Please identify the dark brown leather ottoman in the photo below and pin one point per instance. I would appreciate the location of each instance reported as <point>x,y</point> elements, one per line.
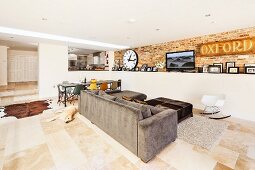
<point>184,110</point>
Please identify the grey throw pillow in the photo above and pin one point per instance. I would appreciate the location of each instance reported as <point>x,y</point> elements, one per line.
<point>105,95</point>
<point>146,112</point>
<point>95,92</point>
<point>156,110</point>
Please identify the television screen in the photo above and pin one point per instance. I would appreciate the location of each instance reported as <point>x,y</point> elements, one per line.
<point>180,60</point>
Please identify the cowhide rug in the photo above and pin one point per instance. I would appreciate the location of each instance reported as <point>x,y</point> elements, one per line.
<point>26,109</point>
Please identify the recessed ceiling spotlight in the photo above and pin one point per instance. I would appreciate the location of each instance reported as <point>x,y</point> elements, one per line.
<point>207,15</point>
<point>131,20</point>
<point>157,29</point>
<point>11,37</point>
<point>44,19</point>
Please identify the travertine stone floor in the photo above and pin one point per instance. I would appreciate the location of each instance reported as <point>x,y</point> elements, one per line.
<point>17,92</point>
<point>32,143</point>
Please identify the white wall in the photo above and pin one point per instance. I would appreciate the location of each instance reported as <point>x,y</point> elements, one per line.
<point>53,68</point>
<point>239,89</point>
<point>3,65</point>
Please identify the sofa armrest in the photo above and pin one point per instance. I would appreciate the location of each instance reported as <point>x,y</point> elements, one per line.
<point>155,132</point>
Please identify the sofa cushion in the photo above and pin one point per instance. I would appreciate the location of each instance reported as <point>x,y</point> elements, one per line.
<point>95,92</point>
<point>156,110</point>
<point>105,95</point>
<point>146,112</point>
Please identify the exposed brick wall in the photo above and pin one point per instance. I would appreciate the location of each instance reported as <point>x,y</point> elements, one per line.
<point>153,53</point>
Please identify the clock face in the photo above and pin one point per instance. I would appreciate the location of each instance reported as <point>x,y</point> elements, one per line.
<point>130,59</point>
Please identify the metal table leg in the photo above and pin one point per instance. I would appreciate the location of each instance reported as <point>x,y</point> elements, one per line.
<point>65,97</point>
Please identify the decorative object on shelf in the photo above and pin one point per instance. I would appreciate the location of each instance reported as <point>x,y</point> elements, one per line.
<point>160,65</point>
<point>219,64</point>
<point>144,67</point>
<point>149,69</point>
<point>214,69</point>
<point>124,68</point>
<point>137,69</point>
<point>233,70</point>
<point>249,70</point>
<point>154,69</point>
<point>133,69</point>
<point>205,69</point>
<point>115,68</point>
<point>120,68</point>
<point>130,59</point>
<point>229,64</point>
<point>106,60</point>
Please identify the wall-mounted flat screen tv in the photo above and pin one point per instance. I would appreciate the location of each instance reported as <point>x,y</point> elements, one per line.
<point>180,60</point>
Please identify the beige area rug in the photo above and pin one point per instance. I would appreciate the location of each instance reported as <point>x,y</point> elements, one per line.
<point>201,131</point>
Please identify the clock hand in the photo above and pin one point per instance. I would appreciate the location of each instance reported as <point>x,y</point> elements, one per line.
<point>132,60</point>
<point>130,57</point>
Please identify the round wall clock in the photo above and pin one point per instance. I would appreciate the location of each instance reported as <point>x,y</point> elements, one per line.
<point>130,59</point>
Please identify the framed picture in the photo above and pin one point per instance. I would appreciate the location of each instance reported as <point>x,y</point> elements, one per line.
<point>149,68</point>
<point>137,69</point>
<point>205,69</point>
<point>229,64</point>
<point>219,64</point>
<point>233,70</point>
<point>144,67</point>
<point>154,69</point>
<point>249,65</point>
<point>214,69</point>
<point>249,70</point>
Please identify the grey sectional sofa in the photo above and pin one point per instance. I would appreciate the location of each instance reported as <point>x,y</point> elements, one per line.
<point>144,130</point>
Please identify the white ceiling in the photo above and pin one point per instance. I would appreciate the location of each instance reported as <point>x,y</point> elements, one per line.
<point>15,45</point>
<point>79,51</point>
<point>108,20</point>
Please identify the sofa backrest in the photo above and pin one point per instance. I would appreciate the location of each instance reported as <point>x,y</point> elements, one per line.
<point>116,119</point>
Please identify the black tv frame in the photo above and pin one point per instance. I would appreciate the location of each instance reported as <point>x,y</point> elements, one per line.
<point>181,69</point>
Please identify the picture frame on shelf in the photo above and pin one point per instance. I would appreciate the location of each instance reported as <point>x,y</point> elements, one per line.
<point>249,70</point>
<point>221,66</point>
<point>233,70</point>
<point>229,64</point>
<point>200,69</point>
<point>205,69</point>
<point>214,69</point>
<point>144,67</point>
